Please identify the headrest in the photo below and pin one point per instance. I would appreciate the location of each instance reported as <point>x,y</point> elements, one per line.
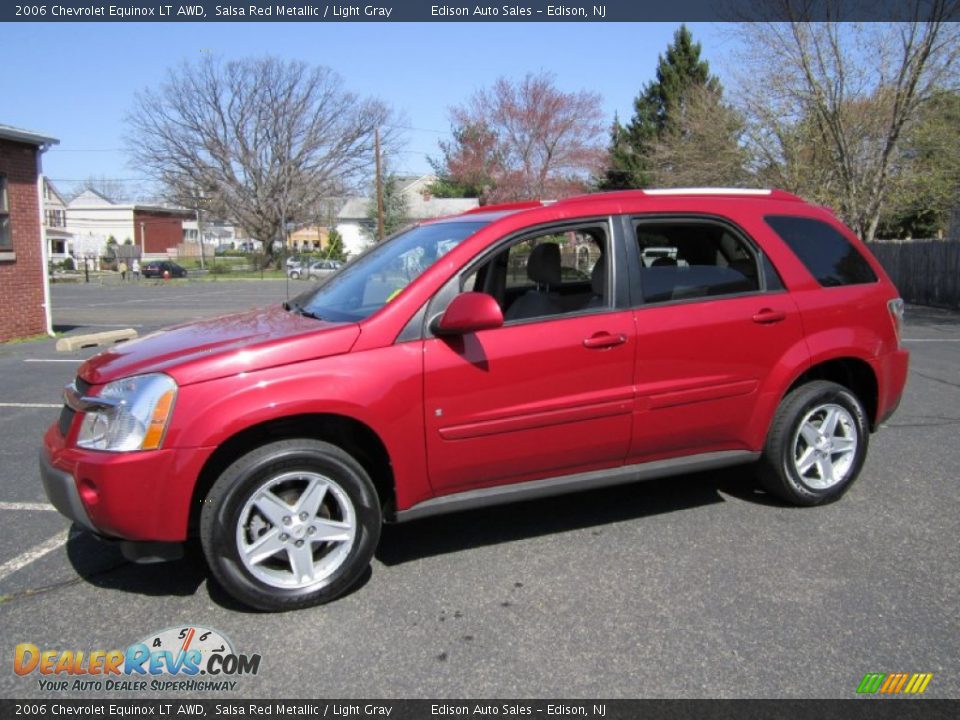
<point>543,266</point>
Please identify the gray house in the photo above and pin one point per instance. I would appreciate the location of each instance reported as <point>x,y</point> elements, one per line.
<point>354,224</point>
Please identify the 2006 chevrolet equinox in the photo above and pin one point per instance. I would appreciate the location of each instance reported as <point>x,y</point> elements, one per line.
<point>508,353</point>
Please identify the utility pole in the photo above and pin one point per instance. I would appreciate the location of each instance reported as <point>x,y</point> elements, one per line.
<point>376,141</point>
<point>200,236</point>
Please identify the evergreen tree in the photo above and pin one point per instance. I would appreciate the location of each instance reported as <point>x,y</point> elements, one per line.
<point>655,111</point>
<point>395,210</point>
<point>335,249</point>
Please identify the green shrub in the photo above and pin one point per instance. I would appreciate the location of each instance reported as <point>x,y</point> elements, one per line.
<point>220,269</point>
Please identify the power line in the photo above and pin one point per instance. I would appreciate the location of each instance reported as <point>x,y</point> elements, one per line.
<point>141,178</point>
<point>417,129</point>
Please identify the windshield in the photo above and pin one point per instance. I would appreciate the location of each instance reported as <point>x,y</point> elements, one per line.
<point>365,285</point>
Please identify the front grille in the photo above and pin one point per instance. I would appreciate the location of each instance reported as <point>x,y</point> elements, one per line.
<point>67,413</point>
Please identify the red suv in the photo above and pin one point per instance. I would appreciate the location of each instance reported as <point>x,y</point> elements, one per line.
<point>508,353</point>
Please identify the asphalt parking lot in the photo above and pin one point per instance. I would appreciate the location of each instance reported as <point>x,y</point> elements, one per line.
<point>697,586</point>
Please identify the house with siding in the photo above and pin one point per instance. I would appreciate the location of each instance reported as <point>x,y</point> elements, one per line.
<point>58,238</point>
<point>93,219</point>
<point>357,229</point>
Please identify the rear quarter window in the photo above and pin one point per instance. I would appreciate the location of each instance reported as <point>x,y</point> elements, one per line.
<point>827,254</point>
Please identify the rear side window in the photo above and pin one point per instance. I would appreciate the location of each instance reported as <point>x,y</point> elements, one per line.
<point>827,254</point>
<point>684,260</point>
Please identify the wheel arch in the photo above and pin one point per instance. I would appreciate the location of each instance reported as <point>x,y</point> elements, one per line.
<point>854,373</point>
<point>350,434</point>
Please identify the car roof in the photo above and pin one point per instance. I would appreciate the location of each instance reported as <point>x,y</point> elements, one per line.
<point>489,213</point>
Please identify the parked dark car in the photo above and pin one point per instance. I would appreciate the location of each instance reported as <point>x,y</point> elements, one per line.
<point>157,268</point>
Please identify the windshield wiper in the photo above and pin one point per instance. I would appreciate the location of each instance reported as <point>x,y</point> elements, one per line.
<point>300,310</point>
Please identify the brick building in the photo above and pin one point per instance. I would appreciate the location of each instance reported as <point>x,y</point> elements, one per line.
<point>24,292</point>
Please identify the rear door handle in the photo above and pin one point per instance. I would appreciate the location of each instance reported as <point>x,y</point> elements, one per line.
<point>766,316</point>
<point>602,340</point>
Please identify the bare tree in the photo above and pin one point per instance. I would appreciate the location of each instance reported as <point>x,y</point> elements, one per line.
<point>701,147</point>
<point>261,141</point>
<point>112,189</point>
<point>828,101</point>
<point>525,139</point>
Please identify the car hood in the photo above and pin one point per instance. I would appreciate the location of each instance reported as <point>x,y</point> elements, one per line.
<point>222,346</point>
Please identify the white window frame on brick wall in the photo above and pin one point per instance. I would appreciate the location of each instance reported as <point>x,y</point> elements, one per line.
<point>6,233</point>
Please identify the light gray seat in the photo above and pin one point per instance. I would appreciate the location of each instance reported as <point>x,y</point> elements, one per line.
<point>598,284</point>
<point>543,267</point>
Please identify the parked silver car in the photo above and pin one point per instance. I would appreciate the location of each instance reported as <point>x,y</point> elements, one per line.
<point>316,270</point>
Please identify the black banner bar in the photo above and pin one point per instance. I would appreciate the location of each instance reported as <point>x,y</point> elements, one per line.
<point>856,709</point>
<point>457,11</point>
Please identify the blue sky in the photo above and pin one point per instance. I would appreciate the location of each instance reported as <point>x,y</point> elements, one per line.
<point>76,81</point>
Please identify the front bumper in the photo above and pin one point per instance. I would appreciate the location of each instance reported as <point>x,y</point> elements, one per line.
<point>61,490</point>
<point>137,496</point>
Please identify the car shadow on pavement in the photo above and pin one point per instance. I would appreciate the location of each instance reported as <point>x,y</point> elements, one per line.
<point>101,564</point>
<point>444,534</point>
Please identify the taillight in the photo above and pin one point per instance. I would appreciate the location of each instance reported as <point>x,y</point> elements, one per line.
<point>896,314</point>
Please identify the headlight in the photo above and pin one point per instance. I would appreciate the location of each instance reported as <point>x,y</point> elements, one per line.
<point>139,410</point>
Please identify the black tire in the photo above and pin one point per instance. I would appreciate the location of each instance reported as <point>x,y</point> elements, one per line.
<point>778,468</point>
<point>294,275</point>
<point>229,496</point>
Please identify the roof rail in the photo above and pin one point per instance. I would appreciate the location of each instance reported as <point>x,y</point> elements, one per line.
<point>503,207</point>
<point>733,192</point>
<point>707,191</point>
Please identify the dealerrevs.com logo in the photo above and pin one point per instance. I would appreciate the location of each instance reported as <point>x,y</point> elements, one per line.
<point>188,659</point>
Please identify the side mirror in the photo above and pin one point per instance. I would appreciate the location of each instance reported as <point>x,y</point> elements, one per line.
<point>467,313</point>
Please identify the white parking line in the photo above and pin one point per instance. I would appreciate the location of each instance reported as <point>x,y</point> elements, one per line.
<point>34,553</point>
<point>27,506</point>
<point>931,339</point>
<point>30,405</point>
<point>190,297</point>
<point>69,360</point>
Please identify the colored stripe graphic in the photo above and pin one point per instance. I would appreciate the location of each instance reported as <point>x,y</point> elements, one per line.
<point>894,683</point>
<point>871,683</point>
<point>919,683</point>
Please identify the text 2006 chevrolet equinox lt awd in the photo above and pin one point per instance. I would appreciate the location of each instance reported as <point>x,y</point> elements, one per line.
<point>508,353</point>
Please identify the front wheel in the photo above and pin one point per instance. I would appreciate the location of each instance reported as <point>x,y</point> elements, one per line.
<point>291,524</point>
<point>817,444</point>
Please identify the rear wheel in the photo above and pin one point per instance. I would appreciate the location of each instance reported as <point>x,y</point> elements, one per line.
<point>294,275</point>
<point>291,524</point>
<point>817,444</point>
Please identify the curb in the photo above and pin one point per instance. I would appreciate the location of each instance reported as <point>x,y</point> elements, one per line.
<point>111,337</point>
